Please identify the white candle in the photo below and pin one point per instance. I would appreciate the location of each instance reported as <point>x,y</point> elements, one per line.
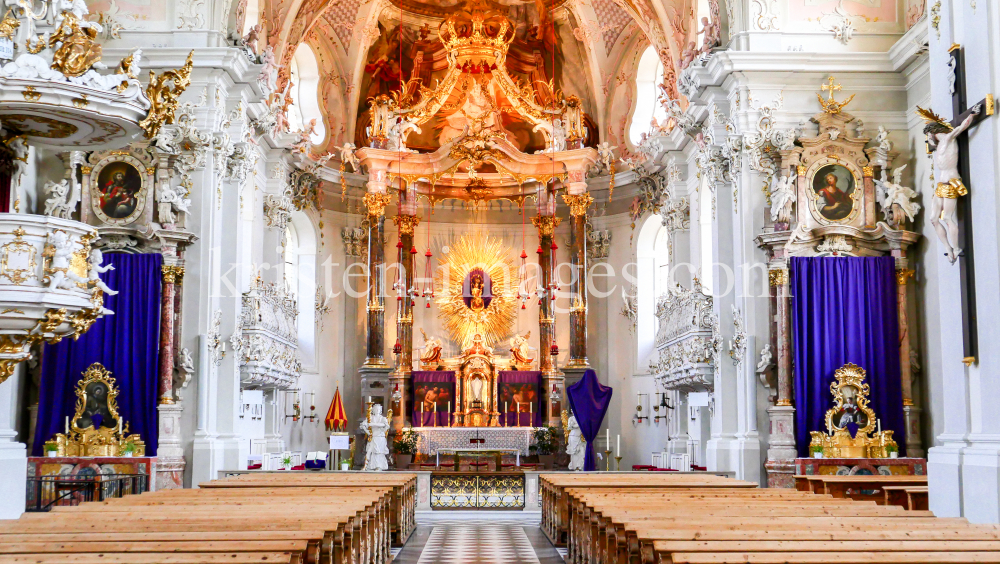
<point>608,437</point>
<point>119,424</point>
<point>879,423</point>
<point>618,448</point>
<point>449,413</point>
<point>67,424</point>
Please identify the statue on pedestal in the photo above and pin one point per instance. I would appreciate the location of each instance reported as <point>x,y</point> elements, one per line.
<point>576,446</point>
<point>376,427</point>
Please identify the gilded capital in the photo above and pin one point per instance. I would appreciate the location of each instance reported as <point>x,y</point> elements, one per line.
<point>546,224</point>
<point>801,170</point>
<point>578,204</point>
<point>172,274</point>
<point>406,223</point>
<point>375,203</point>
<point>868,171</point>
<point>778,277</point>
<point>903,274</point>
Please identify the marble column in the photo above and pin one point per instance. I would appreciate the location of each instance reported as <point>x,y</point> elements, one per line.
<point>578,204</point>
<point>400,377</point>
<point>375,202</point>
<point>911,413</point>
<point>167,353</point>
<point>781,451</point>
<point>551,376</point>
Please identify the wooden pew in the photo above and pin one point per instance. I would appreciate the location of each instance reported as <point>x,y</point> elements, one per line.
<point>838,486</point>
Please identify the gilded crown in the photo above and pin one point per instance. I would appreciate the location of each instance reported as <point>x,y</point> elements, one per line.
<point>476,34</point>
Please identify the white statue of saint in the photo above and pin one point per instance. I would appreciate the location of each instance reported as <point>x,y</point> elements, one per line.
<point>376,427</point>
<point>894,194</point>
<point>942,140</point>
<point>782,198</point>
<point>576,445</point>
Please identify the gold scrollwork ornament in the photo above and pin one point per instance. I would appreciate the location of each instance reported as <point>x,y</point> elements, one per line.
<point>164,94</point>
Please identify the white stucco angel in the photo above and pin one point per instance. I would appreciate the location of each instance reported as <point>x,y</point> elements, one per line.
<point>782,199</point>
<point>57,199</point>
<point>269,72</point>
<point>60,251</point>
<point>97,267</point>
<point>576,446</point>
<point>398,134</point>
<point>897,200</point>
<point>942,140</point>
<point>376,427</point>
<point>520,350</point>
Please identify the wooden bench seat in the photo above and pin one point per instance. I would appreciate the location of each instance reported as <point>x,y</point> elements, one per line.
<point>150,558</point>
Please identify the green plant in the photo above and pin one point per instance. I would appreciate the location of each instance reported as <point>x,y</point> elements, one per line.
<point>405,442</point>
<point>892,448</point>
<point>129,448</point>
<point>546,440</point>
<point>50,448</point>
<point>286,460</point>
<point>816,448</point>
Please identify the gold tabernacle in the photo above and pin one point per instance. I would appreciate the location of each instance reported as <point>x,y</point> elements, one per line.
<point>850,395</point>
<point>96,429</point>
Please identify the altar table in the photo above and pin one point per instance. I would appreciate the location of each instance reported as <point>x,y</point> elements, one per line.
<point>854,466</point>
<point>498,452</point>
<point>431,439</point>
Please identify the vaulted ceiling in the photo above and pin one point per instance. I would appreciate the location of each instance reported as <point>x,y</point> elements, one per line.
<point>592,40</point>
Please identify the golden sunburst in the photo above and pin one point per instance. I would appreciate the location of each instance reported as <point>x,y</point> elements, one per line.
<point>475,255</point>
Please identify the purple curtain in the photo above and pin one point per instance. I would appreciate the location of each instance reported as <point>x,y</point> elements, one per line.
<point>444,380</point>
<point>512,381</point>
<point>126,343</point>
<point>589,401</point>
<point>844,310</point>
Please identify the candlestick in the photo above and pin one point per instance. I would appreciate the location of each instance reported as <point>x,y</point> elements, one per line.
<point>607,460</point>
<point>618,463</point>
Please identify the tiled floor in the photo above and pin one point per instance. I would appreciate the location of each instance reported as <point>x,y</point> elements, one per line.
<point>471,537</point>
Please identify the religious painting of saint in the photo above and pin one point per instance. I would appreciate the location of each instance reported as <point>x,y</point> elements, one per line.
<point>119,188</point>
<point>834,186</point>
<point>433,396</point>
<point>517,397</point>
<point>477,290</point>
<point>849,411</point>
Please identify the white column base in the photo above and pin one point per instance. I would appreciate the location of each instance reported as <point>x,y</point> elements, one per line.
<point>212,455</point>
<point>981,481</point>
<point>739,455</point>
<point>14,469</point>
<point>944,478</point>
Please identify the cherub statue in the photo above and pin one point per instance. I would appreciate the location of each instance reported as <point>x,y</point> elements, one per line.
<point>520,350</point>
<point>398,133</point>
<point>96,268</point>
<point>269,73</point>
<point>129,66</point>
<point>557,138</point>
<point>347,156</point>
<point>688,55</point>
<point>250,39</point>
<point>782,199</point>
<point>576,446</point>
<point>711,39</point>
<point>942,140</point>
<point>883,139</point>
<point>375,427</point>
<point>895,198</point>
<point>60,251</point>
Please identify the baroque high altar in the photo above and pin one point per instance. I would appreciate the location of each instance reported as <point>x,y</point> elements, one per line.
<point>469,136</point>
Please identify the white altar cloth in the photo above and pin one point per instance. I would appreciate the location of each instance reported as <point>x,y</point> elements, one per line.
<point>431,439</point>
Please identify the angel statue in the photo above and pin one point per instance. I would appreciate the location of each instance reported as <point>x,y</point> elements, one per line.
<point>576,446</point>
<point>431,355</point>
<point>782,198</point>
<point>896,199</point>
<point>520,350</point>
<point>59,249</point>
<point>942,140</point>
<point>376,427</point>
<point>97,267</point>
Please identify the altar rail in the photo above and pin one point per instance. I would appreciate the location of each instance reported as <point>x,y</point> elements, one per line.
<point>44,492</point>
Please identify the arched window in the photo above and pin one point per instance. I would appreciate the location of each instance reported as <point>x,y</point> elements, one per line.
<point>652,281</point>
<point>300,276</point>
<point>705,217</point>
<point>648,76</point>
<point>304,73</point>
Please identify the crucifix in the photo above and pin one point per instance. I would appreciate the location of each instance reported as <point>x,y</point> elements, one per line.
<point>948,142</point>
